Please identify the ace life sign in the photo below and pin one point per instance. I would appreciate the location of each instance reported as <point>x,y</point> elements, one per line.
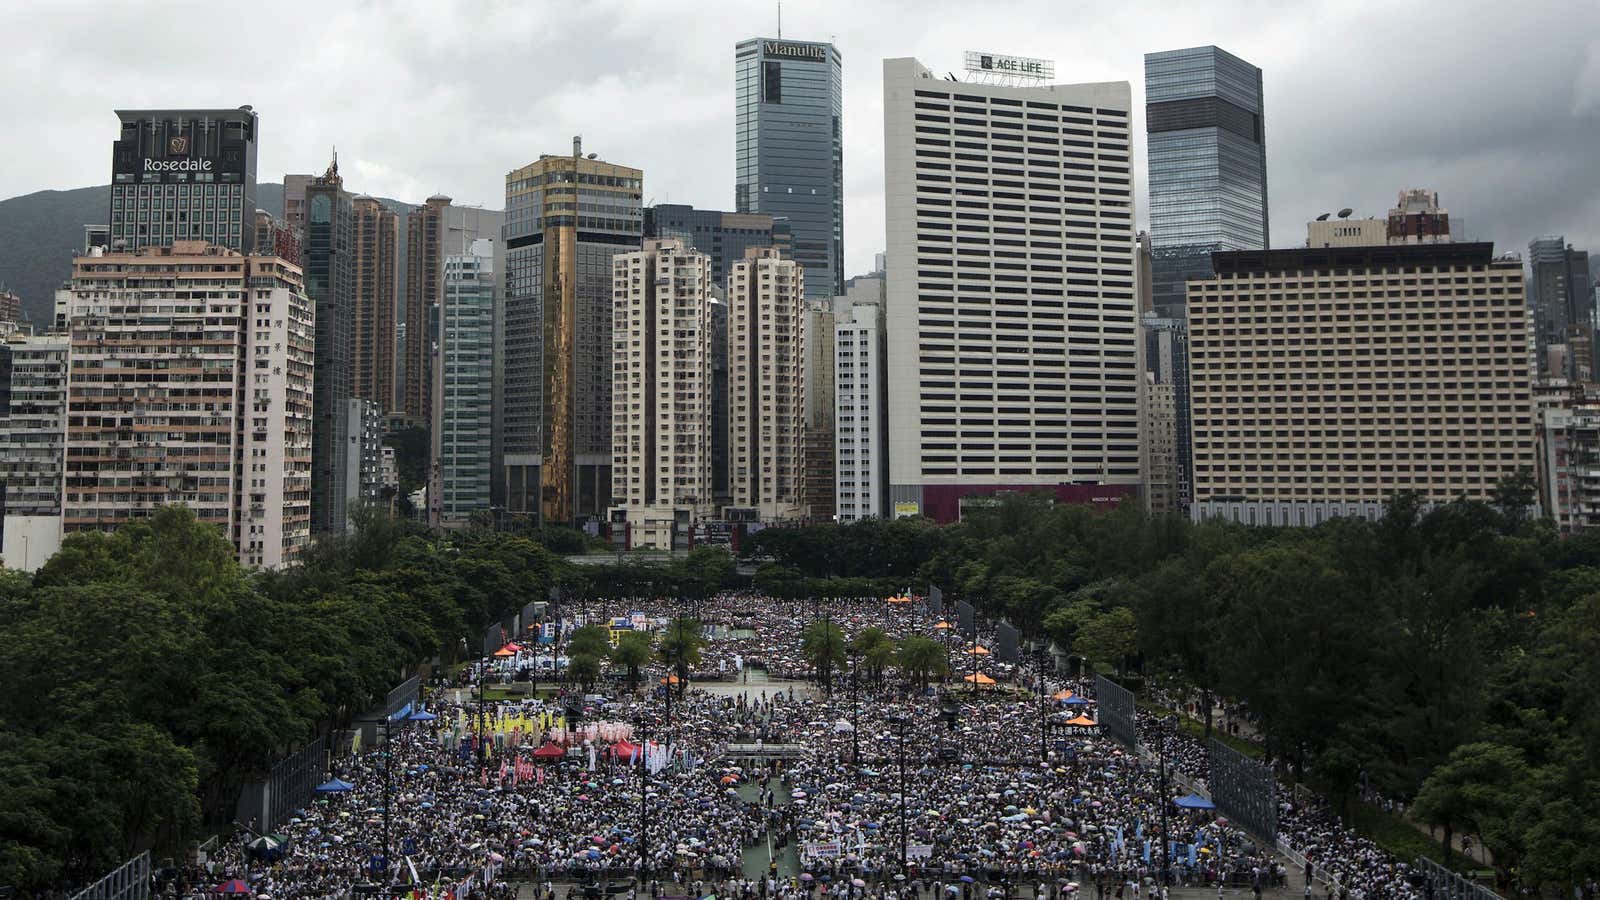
<point>983,62</point>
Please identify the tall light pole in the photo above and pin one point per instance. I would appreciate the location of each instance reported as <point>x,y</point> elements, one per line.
<point>901,723</point>
<point>855,709</point>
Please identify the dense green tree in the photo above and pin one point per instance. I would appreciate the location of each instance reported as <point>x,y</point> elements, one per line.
<point>822,645</point>
<point>679,648</point>
<point>875,649</point>
<point>922,659</point>
<point>632,652</point>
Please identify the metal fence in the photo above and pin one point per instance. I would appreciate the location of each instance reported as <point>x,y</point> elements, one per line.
<point>1244,790</point>
<point>1443,884</point>
<point>129,881</point>
<point>402,695</point>
<point>1116,711</point>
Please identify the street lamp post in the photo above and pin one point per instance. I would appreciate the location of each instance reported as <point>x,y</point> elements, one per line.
<point>855,709</point>
<point>1044,708</point>
<point>644,815</point>
<point>901,723</point>
<point>388,763</point>
<point>482,730</point>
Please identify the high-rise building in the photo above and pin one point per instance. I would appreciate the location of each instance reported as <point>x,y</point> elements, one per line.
<point>1417,218</point>
<point>1159,447</point>
<point>33,393</point>
<point>1561,299</point>
<point>377,294</point>
<point>330,282</point>
<point>463,404</point>
<point>1325,380</point>
<point>789,149</point>
<point>11,314</point>
<point>426,248</point>
<point>817,469</point>
<point>1569,466</point>
<point>1208,165</point>
<point>721,492</point>
<point>190,383</point>
<point>276,237</point>
<point>364,460</point>
<point>661,392</point>
<point>566,217</point>
<point>723,236</point>
<point>184,174</point>
<point>1013,349</point>
<point>860,403</point>
<point>1166,357</point>
<point>766,386</point>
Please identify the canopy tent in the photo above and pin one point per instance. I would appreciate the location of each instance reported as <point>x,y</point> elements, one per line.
<point>942,625</point>
<point>900,599</point>
<point>670,679</point>
<point>625,750</point>
<point>233,886</point>
<point>550,751</point>
<point>979,678</point>
<point>1061,695</point>
<point>1194,801</point>
<point>421,715</point>
<point>335,786</point>
<point>978,650</point>
<point>505,652</point>
<point>1080,720</point>
<point>1075,701</point>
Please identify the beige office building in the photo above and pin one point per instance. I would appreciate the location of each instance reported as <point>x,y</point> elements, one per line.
<point>190,383</point>
<point>766,386</point>
<point>1326,380</point>
<point>1013,346</point>
<point>660,392</point>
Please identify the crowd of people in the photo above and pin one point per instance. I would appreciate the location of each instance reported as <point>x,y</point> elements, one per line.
<point>948,791</point>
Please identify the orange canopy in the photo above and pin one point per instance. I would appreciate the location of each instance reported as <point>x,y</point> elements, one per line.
<point>899,599</point>
<point>1081,720</point>
<point>1061,695</point>
<point>979,650</point>
<point>979,678</point>
<point>942,625</point>
<point>505,651</point>
<point>670,679</point>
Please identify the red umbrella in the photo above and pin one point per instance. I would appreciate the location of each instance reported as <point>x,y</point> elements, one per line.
<point>233,886</point>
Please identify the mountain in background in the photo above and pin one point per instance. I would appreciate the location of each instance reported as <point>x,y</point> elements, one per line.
<point>40,233</point>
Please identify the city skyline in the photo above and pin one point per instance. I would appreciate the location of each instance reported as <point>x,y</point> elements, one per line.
<point>1504,142</point>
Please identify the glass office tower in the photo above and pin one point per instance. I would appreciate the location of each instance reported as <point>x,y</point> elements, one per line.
<point>1208,165</point>
<point>790,151</point>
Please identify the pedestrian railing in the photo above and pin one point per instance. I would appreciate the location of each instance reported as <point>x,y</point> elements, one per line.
<point>129,881</point>
<point>1446,884</point>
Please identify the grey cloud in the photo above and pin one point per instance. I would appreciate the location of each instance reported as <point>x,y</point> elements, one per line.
<point>1497,106</point>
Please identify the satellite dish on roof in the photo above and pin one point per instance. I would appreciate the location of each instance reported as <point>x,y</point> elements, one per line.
<point>1345,213</point>
<point>1324,217</point>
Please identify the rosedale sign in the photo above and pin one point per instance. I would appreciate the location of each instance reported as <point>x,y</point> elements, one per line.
<point>177,165</point>
<point>795,51</point>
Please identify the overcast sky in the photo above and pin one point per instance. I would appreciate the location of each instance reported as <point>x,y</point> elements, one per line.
<point>1495,105</point>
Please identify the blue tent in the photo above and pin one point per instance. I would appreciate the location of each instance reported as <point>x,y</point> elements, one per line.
<point>335,786</point>
<point>1194,801</point>
<point>1075,700</point>
<point>421,715</point>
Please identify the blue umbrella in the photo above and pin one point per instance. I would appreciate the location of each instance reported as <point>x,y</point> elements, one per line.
<point>335,786</point>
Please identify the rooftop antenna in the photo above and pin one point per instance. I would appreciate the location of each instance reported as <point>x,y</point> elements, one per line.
<point>780,20</point>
